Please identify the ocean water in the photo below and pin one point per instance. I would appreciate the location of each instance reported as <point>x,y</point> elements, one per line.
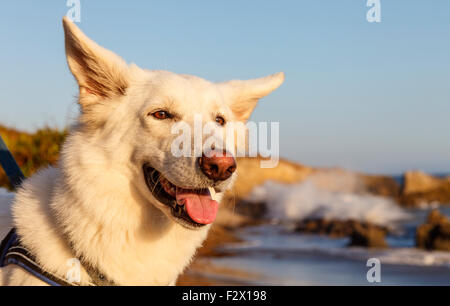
<point>278,256</point>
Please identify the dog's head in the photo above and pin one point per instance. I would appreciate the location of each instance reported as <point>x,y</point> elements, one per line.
<point>133,112</point>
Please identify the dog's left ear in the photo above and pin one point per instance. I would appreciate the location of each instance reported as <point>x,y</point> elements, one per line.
<point>100,73</point>
<point>244,95</point>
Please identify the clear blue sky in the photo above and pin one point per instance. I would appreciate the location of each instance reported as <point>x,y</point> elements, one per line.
<point>366,96</point>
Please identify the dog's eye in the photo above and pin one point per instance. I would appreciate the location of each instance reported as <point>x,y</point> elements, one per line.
<point>220,120</point>
<point>161,115</point>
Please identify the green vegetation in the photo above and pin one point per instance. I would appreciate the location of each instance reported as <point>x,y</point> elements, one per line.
<point>32,151</point>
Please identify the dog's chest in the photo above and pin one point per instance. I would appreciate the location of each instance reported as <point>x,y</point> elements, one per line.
<point>157,262</point>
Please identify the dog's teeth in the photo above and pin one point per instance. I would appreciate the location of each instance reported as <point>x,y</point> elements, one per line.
<point>213,193</point>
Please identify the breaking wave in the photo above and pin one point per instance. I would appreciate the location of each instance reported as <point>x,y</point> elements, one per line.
<point>330,195</point>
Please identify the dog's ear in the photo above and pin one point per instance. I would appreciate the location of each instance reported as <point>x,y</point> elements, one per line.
<point>100,73</point>
<point>243,95</point>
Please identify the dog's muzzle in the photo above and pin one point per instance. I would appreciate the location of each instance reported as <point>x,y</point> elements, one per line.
<point>192,208</point>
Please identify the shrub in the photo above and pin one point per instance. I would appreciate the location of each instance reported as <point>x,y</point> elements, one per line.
<point>32,151</point>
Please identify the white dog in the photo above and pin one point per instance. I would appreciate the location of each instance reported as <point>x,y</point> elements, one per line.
<point>119,201</point>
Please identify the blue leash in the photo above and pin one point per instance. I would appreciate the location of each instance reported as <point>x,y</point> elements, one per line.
<point>10,166</point>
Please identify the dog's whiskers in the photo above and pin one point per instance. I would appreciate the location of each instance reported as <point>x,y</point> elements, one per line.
<point>158,181</point>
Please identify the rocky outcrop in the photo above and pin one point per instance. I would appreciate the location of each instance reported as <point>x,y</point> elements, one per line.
<point>368,235</point>
<point>420,188</point>
<point>361,233</point>
<point>435,233</point>
<point>332,228</point>
<point>250,175</point>
<point>254,210</point>
<point>381,185</point>
<point>417,181</point>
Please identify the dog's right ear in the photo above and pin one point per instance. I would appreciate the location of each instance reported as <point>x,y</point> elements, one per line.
<point>100,73</point>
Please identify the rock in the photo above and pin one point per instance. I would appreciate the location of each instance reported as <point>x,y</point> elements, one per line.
<point>332,228</point>
<point>361,233</point>
<point>254,210</point>
<point>435,233</point>
<point>420,188</point>
<point>417,181</point>
<point>381,185</point>
<point>368,235</point>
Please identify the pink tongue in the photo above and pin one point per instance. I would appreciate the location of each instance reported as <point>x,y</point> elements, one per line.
<point>200,207</point>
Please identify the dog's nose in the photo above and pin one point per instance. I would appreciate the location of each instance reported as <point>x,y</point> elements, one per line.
<point>217,165</point>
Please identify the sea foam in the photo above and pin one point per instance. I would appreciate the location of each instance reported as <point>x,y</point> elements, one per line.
<point>330,195</point>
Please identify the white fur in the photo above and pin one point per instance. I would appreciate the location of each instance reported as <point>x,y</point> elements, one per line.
<point>95,203</point>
